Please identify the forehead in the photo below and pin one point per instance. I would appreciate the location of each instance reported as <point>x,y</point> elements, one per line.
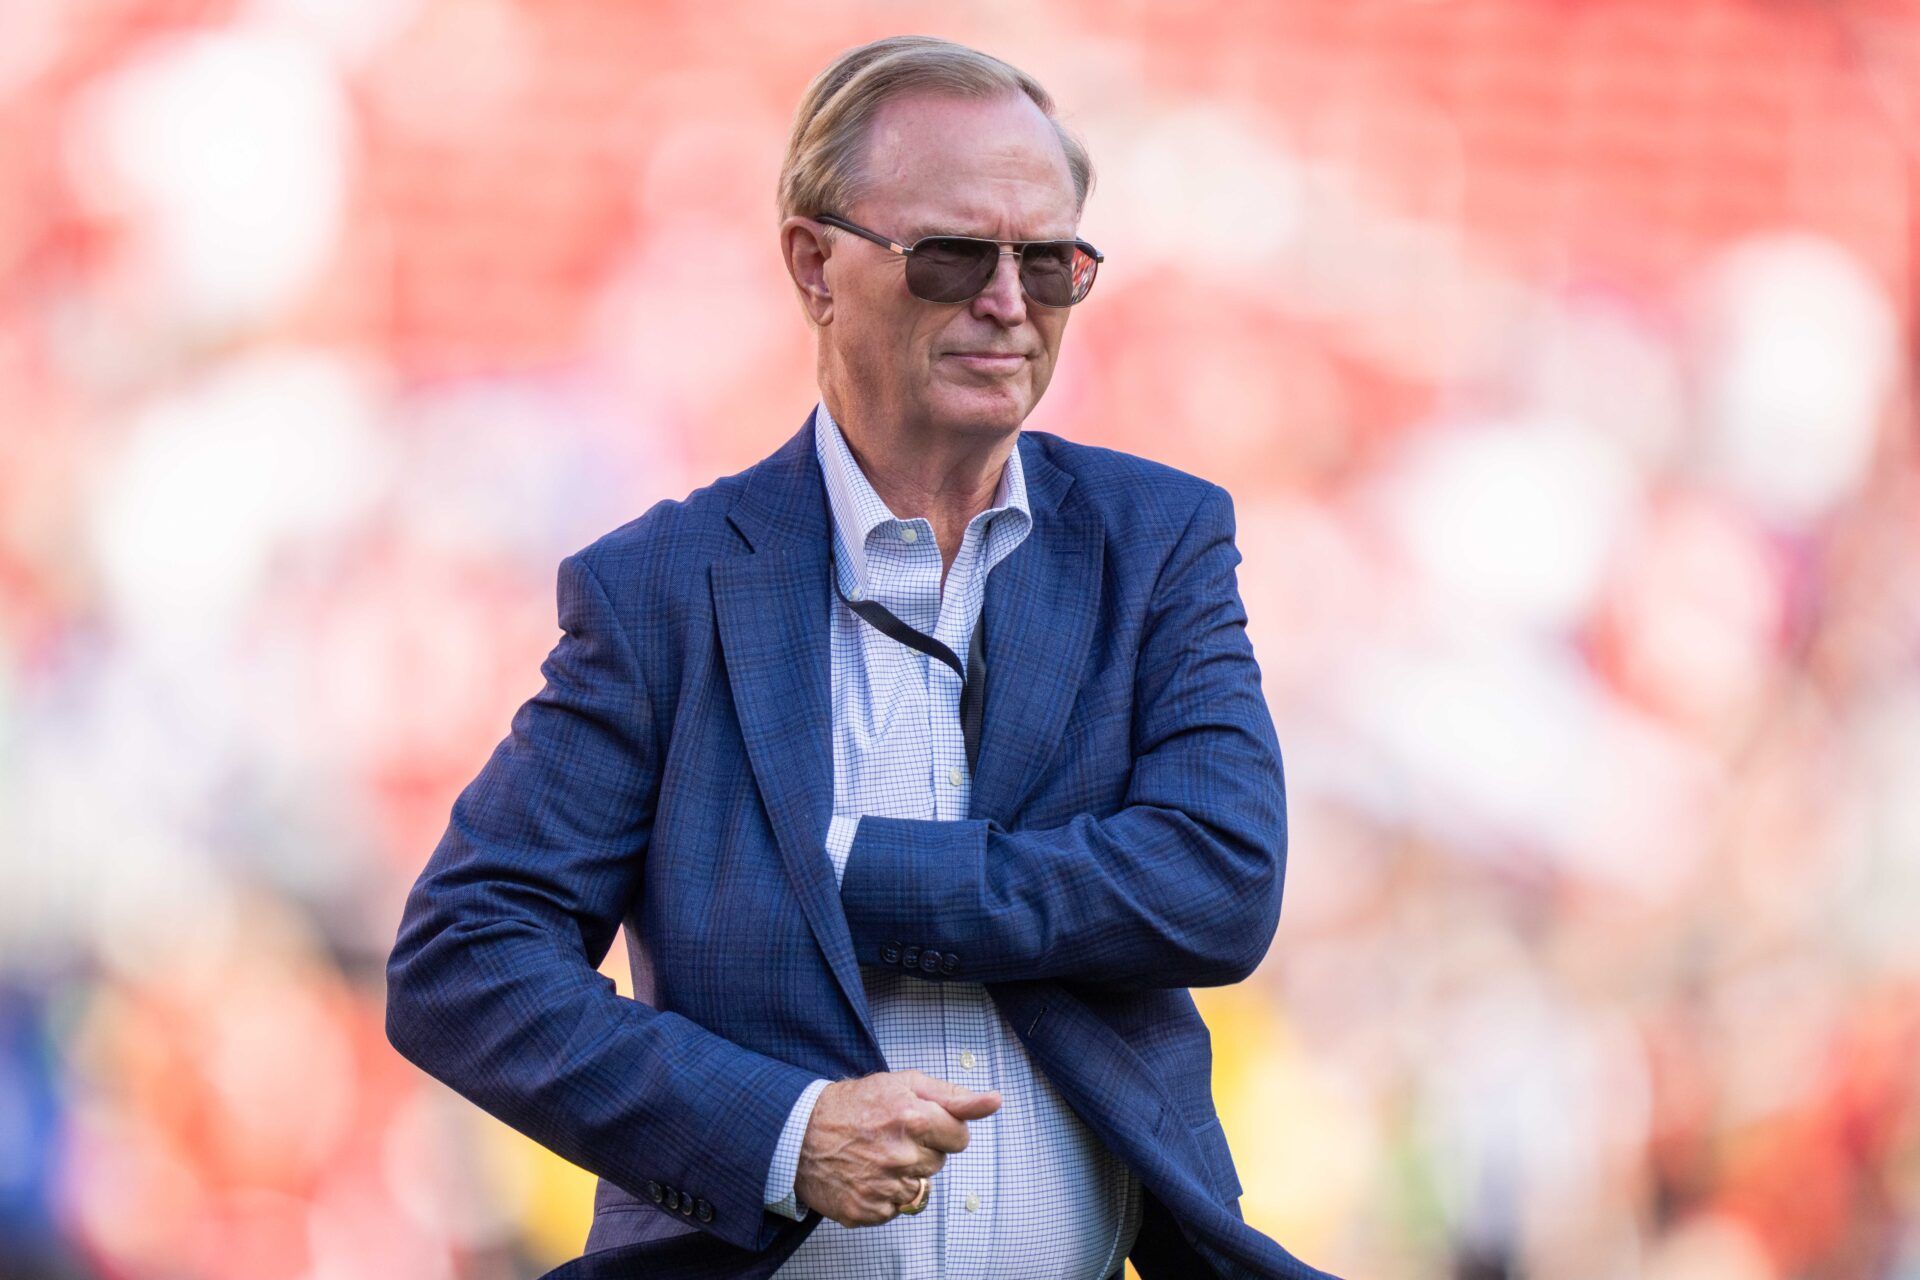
<point>938,163</point>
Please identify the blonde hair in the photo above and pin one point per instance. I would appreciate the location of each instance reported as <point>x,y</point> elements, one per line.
<point>823,173</point>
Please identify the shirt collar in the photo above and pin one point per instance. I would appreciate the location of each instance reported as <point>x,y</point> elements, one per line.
<point>858,509</point>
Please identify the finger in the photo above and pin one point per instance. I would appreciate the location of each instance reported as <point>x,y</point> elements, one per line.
<point>911,1194</point>
<point>926,1162</point>
<point>944,1131</point>
<point>933,1088</point>
<point>898,1196</point>
<point>972,1106</point>
<point>913,1077</point>
<point>959,1100</point>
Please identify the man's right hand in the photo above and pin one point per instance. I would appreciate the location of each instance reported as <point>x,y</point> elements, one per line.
<point>869,1139</point>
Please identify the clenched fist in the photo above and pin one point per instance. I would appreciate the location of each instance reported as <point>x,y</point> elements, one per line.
<point>869,1139</point>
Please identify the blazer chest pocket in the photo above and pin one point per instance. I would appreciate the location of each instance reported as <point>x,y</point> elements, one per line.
<point>1213,1142</point>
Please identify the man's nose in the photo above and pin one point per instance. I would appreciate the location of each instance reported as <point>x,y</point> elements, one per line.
<point>1002,299</point>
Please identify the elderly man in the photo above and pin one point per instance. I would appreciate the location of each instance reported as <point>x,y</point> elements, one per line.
<point>925,763</point>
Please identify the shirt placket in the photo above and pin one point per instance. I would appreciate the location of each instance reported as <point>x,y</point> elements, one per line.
<point>918,559</point>
<point>899,577</point>
<point>967,1234</point>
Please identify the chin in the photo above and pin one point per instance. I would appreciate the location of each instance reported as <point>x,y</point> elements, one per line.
<point>1003,407</point>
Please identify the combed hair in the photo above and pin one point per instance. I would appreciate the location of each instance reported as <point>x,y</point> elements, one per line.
<point>822,172</point>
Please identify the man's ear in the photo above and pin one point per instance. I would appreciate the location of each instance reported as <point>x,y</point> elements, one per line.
<point>805,249</point>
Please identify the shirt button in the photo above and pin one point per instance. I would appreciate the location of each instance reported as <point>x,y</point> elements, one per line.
<point>954,775</point>
<point>909,534</point>
<point>855,594</point>
<point>973,1202</point>
<point>966,1058</point>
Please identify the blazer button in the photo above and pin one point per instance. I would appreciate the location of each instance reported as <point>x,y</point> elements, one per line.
<point>686,1204</point>
<point>949,962</point>
<point>891,953</point>
<point>911,957</point>
<point>657,1191</point>
<point>929,960</point>
<point>703,1211</point>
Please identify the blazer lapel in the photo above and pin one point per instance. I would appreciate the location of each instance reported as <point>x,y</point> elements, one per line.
<point>1040,606</point>
<point>773,612</point>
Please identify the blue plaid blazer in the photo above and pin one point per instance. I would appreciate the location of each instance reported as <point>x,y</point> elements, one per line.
<point>674,775</point>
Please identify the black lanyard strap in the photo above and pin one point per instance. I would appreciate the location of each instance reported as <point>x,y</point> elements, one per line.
<point>973,677</point>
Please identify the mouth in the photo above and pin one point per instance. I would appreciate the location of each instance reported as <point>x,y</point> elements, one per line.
<point>988,361</point>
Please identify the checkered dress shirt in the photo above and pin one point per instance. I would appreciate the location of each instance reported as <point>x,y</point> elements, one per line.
<point>1036,1195</point>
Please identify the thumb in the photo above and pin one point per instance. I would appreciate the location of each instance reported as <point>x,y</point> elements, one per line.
<point>963,1103</point>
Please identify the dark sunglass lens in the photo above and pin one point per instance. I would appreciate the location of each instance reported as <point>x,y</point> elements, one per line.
<point>1047,271</point>
<point>1059,273</point>
<point>941,269</point>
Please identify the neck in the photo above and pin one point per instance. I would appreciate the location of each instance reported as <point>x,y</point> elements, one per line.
<point>945,476</point>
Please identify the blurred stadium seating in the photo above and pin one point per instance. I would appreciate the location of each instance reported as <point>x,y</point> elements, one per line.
<point>1559,355</point>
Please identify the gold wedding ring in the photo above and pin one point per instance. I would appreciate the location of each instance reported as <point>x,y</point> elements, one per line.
<point>920,1198</point>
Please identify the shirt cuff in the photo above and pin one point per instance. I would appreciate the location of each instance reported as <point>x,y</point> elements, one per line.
<point>779,1196</point>
<point>840,834</point>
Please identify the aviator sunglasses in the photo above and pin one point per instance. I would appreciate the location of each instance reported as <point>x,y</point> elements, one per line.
<point>1053,273</point>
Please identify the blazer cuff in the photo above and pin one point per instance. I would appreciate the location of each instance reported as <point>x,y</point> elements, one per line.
<point>780,1195</point>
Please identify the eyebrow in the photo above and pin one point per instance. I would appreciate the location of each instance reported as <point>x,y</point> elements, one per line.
<point>926,229</point>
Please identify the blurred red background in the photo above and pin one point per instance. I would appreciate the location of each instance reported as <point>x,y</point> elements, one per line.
<point>1559,357</point>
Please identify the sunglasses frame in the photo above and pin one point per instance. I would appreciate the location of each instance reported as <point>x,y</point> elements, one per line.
<point>1019,250</point>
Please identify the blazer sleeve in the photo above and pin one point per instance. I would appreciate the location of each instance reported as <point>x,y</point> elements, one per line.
<point>493,984</point>
<point>1180,887</point>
